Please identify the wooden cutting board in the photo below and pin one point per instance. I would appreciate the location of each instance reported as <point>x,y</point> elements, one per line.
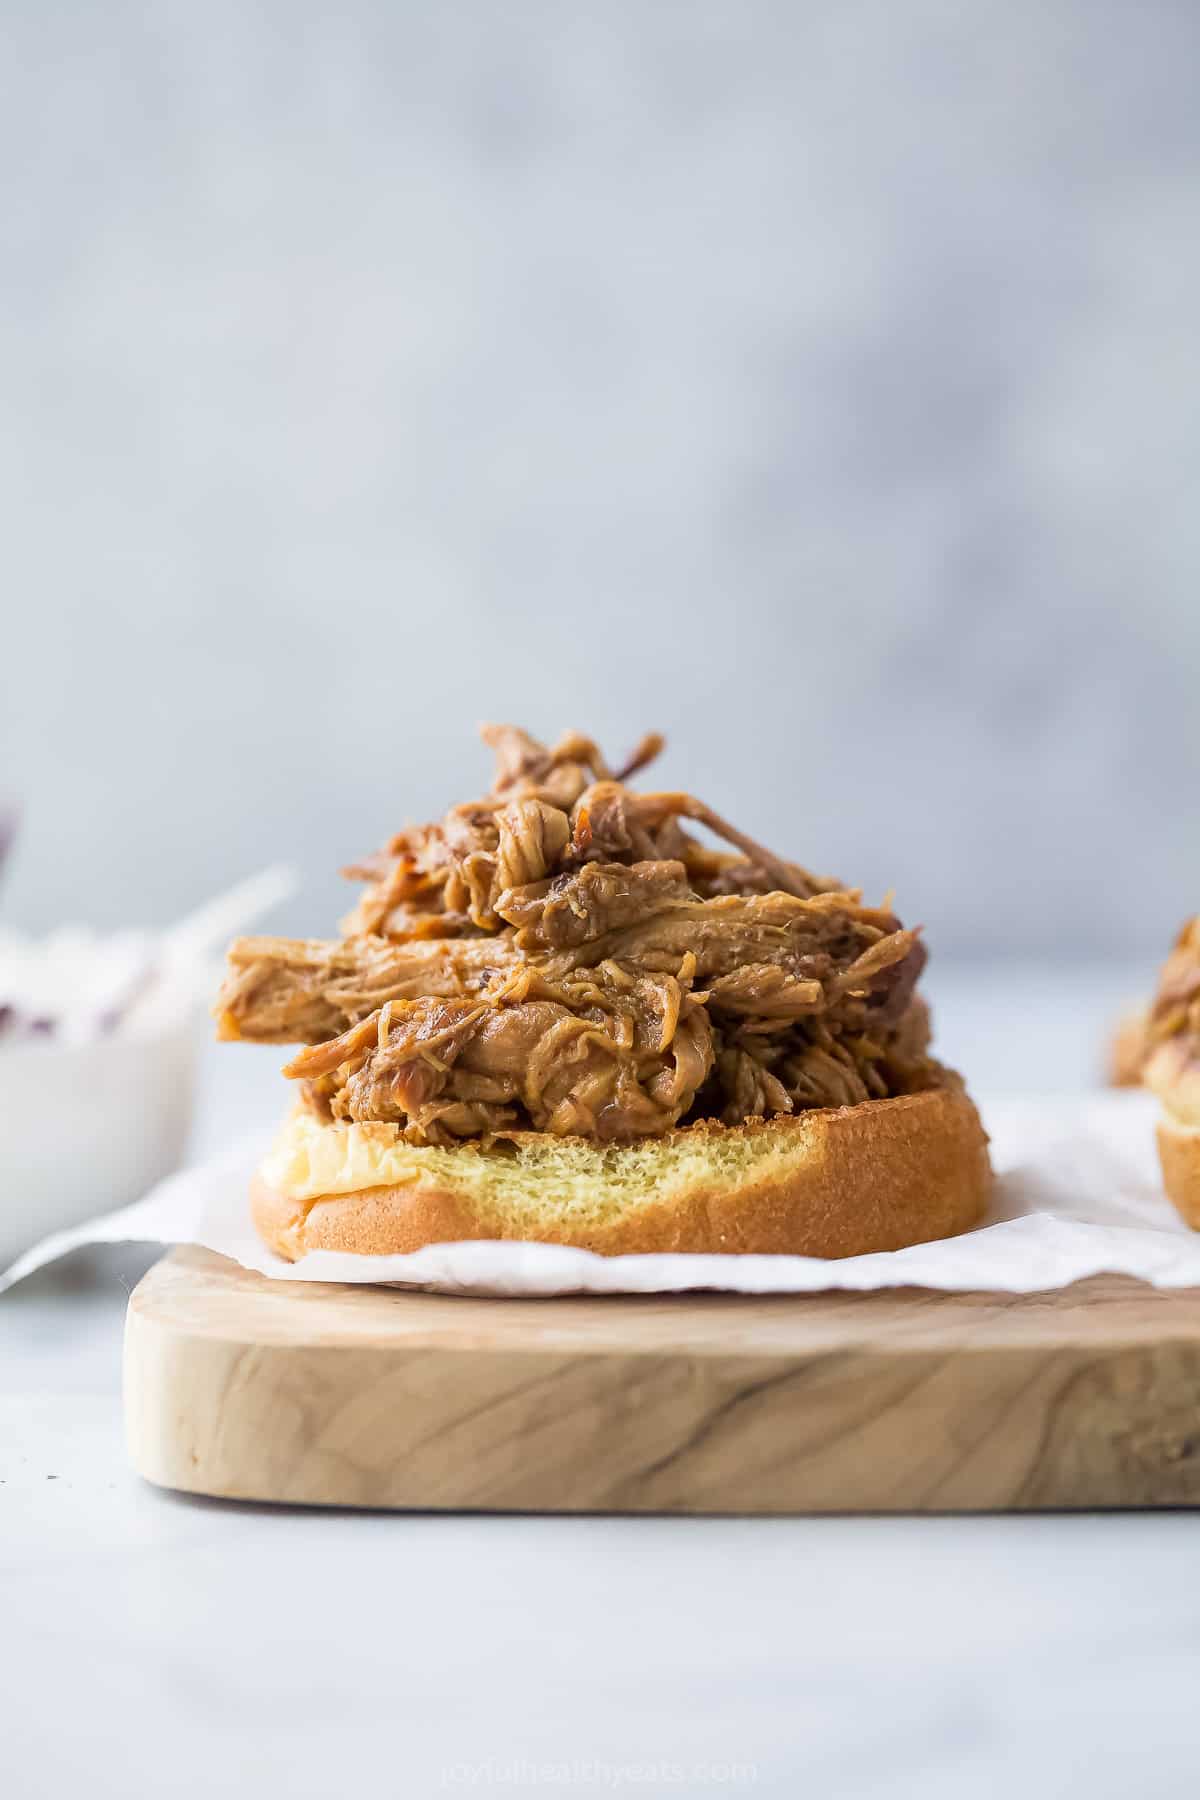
<point>906,1401</point>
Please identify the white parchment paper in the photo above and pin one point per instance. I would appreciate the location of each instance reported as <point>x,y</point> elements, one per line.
<point>1078,1193</point>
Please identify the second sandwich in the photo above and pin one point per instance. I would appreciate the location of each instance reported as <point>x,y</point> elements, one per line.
<point>556,1014</point>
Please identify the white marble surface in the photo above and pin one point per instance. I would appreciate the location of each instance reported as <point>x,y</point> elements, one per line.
<point>154,1644</point>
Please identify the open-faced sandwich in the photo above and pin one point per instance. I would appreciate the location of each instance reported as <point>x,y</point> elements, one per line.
<point>556,1014</point>
<point>1171,1069</point>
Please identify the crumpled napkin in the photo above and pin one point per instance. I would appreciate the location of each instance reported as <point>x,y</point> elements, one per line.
<point>1078,1193</point>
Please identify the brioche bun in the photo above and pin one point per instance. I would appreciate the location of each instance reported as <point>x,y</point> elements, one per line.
<point>1174,1075</point>
<point>832,1183</point>
<point>1179,1154</point>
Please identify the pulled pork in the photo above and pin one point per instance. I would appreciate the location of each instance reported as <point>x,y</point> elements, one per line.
<point>565,956</point>
<point>1174,1016</point>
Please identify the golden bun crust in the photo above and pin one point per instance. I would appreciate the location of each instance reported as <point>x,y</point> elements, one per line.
<point>1173,1073</point>
<point>846,1182</point>
<point>1179,1154</point>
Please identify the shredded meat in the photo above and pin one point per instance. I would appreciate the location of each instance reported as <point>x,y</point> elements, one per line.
<point>564,955</point>
<point>301,991</point>
<point>602,1056</point>
<point>551,811</point>
<point>1175,1013</point>
<point>579,907</point>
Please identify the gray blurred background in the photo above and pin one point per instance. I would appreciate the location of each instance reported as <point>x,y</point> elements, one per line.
<point>817,383</point>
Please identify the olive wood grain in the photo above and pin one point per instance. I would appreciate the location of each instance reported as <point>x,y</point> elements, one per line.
<point>907,1401</point>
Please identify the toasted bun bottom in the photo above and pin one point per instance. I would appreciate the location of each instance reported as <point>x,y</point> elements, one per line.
<point>1179,1154</point>
<point>1174,1075</point>
<point>845,1182</point>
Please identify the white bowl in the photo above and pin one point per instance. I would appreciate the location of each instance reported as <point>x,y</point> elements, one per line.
<point>85,1128</point>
